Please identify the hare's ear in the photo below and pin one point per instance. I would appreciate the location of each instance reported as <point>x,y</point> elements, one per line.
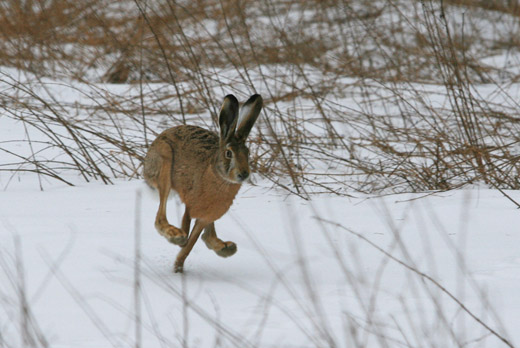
<point>248,115</point>
<point>228,117</point>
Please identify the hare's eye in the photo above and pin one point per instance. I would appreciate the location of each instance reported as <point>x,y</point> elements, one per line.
<point>229,154</point>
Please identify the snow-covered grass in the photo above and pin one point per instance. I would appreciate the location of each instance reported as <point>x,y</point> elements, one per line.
<point>360,96</point>
<point>298,278</point>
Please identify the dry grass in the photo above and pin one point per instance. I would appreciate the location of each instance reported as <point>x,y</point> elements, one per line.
<point>362,96</point>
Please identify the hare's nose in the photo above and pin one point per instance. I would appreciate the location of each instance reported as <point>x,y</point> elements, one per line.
<point>243,175</point>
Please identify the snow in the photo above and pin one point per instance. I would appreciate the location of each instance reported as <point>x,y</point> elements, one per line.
<point>285,287</point>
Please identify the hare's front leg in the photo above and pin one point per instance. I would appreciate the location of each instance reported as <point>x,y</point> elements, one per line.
<point>186,220</point>
<point>224,249</point>
<point>172,233</point>
<point>192,239</point>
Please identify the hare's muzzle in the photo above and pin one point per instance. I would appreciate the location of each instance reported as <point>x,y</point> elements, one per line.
<point>243,175</point>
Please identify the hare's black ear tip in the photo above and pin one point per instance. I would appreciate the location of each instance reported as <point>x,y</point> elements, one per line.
<point>231,98</point>
<point>255,99</point>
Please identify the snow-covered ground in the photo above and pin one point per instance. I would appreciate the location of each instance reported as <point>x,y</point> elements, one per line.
<point>296,280</point>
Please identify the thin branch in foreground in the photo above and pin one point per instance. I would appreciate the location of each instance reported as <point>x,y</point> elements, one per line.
<point>423,276</point>
<point>137,270</point>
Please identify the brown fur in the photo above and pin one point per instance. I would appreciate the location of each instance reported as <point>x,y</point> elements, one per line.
<point>194,162</point>
<point>207,195</point>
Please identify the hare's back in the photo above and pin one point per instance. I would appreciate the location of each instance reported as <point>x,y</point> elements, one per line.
<point>191,143</point>
<point>196,138</point>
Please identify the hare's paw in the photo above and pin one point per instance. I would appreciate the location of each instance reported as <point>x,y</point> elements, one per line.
<point>174,235</point>
<point>227,250</point>
<point>179,240</point>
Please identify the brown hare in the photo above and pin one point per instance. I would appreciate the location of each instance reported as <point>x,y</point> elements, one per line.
<point>206,170</point>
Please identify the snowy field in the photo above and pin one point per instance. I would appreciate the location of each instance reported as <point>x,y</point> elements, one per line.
<point>296,281</point>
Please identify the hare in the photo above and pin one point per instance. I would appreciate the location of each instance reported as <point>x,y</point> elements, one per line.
<point>206,170</point>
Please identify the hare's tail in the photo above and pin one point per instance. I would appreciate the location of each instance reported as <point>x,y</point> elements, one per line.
<point>152,163</point>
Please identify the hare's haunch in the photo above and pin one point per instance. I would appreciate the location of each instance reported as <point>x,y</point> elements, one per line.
<point>206,170</point>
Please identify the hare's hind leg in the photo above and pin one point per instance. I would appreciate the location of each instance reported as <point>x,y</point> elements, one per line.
<point>172,233</point>
<point>192,239</point>
<point>224,249</point>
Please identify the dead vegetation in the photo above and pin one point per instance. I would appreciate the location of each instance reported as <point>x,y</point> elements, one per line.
<point>381,96</point>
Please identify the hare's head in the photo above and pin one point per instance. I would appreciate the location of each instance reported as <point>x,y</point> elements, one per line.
<point>233,157</point>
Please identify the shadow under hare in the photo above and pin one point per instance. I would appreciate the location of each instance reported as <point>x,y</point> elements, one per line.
<point>206,170</point>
